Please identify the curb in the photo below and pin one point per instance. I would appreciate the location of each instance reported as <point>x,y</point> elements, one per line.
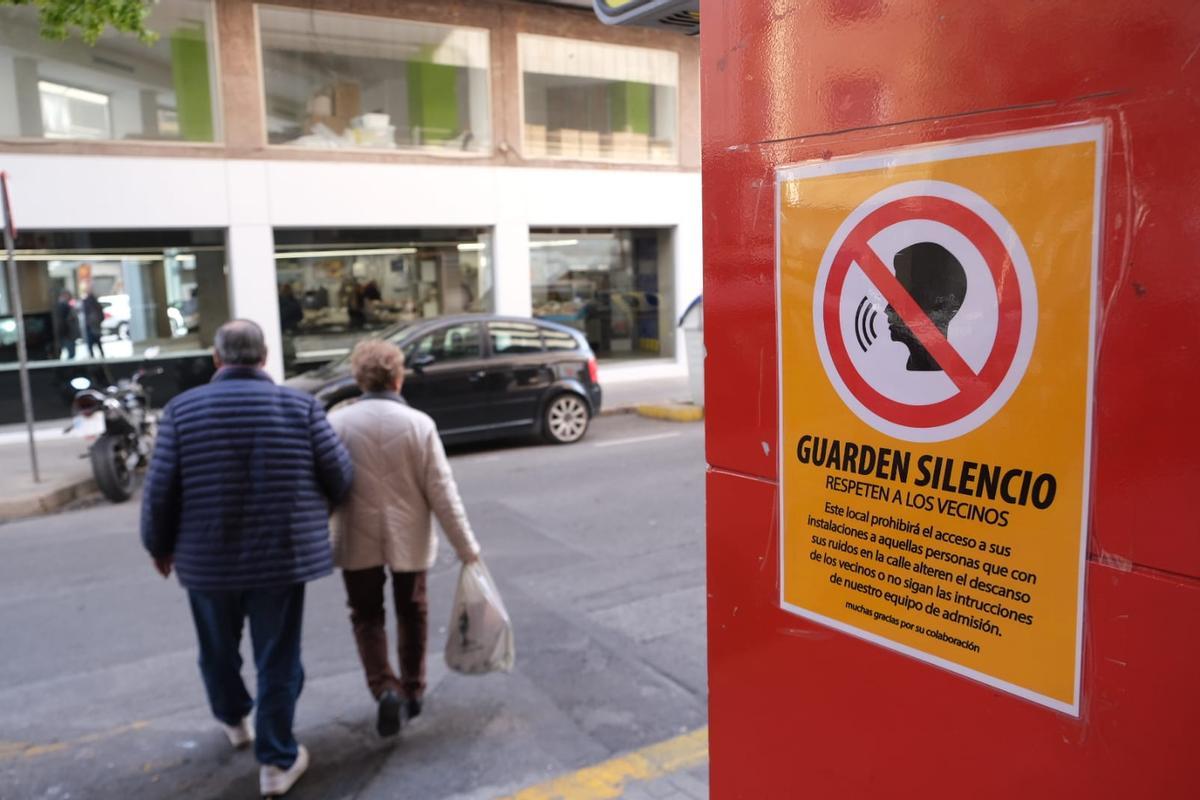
<point>616,410</point>
<point>47,502</point>
<point>672,412</point>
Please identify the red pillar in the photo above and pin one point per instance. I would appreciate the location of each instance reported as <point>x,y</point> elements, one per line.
<point>802,709</point>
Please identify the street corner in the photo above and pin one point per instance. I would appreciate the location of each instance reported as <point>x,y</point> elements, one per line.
<point>675,768</point>
<point>47,498</point>
<point>64,470</point>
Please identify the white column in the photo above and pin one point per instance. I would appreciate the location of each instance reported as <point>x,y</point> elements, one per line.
<point>510,254</point>
<point>252,286</point>
<point>253,292</point>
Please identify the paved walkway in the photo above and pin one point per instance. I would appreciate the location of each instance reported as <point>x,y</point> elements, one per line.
<point>65,476</point>
<point>624,396</point>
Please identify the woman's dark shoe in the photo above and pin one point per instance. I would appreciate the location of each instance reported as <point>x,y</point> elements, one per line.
<point>387,723</point>
<point>414,708</point>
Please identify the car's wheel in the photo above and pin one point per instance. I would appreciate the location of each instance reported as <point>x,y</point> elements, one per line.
<point>566,419</point>
<point>122,330</point>
<point>112,472</point>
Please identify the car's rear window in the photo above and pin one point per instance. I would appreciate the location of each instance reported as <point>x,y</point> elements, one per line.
<point>511,338</point>
<point>559,340</point>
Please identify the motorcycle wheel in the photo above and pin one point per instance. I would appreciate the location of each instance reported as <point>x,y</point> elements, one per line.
<point>113,477</point>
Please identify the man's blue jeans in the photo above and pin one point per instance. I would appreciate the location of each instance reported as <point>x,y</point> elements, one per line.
<point>276,617</point>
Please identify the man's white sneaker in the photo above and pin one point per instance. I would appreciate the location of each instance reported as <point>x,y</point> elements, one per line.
<point>240,735</point>
<point>274,782</point>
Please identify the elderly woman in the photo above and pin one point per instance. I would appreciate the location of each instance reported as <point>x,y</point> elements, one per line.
<point>401,478</point>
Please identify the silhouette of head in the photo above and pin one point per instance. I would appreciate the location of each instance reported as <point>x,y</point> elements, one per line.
<point>938,283</point>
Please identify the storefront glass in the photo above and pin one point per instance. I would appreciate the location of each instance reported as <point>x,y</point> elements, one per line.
<point>120,88</point>
<point>113,295</point>
<point>336,286</point>
<point>337,81</point>
<point>617,286</point>
<point>596,101</point>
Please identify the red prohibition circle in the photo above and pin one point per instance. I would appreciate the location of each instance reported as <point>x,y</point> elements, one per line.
<point>973,388</point>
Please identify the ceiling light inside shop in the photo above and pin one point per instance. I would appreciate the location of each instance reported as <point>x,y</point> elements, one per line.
<point>71,93</point>
<point>465,246</point>
<point>375,251</point>
<point>554,243</point>
<point>74,257</point>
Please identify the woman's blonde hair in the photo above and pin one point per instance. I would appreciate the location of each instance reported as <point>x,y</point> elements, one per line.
<point>377,365</point>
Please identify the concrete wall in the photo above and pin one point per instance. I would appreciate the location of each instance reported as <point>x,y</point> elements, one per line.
<point>250,198</point>
<point>242,185</point>
<point>242,126</point>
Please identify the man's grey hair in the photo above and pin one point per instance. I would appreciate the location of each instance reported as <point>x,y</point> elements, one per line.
<point>240,343</point>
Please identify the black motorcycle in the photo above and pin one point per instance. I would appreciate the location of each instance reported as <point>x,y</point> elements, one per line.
<point>120,419</point>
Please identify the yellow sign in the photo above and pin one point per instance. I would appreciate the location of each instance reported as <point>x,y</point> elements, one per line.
<point>936,358</point>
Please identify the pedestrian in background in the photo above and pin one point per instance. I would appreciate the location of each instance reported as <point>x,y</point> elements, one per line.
<point>93,324</point>
<point>401,477</point>
<point>66,324</point>
<point>291,313</point>
<point>237,499</point>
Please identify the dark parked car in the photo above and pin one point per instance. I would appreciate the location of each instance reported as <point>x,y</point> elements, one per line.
<point>481,377</point>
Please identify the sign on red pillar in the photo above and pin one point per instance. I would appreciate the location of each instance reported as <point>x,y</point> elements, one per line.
<point>936,324</point>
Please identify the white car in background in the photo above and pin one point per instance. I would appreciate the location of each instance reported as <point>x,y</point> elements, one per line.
<point>117,315</point>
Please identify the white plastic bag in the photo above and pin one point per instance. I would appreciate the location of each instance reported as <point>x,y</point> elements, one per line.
<point>480,635</point>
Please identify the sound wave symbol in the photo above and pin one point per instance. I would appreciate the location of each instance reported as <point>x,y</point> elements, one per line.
<point>864,324</point>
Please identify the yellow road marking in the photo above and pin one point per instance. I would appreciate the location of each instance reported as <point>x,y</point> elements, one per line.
<point>608,779</point>
<point>11,750</point>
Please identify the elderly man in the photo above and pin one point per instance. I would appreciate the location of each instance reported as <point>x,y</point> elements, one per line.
<point>403,479</point>
<point>237,499</point>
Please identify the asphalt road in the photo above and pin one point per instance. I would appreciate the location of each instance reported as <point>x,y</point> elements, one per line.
<point>598,549</point>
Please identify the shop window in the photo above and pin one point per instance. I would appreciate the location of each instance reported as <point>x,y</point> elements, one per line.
<point>120,88</point>
<point>336,286</point>
<point>109,296</point>
<point>347,81</point>
<point>616,286</point>
<point>592,101</point>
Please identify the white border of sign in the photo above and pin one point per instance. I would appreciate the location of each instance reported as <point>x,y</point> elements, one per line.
<point>1095,132</point>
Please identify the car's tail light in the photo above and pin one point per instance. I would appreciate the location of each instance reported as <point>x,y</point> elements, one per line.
<point>593,371</point>
<point>108,315</point>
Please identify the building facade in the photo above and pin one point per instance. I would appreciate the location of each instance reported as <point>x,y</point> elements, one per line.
<point>334,169</point>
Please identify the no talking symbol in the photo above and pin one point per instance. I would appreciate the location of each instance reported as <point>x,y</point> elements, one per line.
<point>950,277</point>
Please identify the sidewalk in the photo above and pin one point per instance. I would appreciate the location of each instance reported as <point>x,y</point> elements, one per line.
<point>65,476</point>
<point>623,398</point>
<point>629,384</point>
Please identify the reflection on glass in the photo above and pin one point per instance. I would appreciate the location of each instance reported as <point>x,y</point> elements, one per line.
<point>589,100</point>
<point>104,304</point>
<point>337,286</point>
<point>452,343</point>
<point>510,338</point>
<point>118,89</point>
<point>345,81</point>
<point>615,286</point>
